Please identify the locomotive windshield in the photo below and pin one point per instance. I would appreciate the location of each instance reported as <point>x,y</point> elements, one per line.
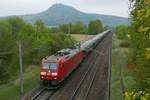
<point>49,66</point>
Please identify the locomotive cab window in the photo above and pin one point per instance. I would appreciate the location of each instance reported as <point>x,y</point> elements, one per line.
<point>49,66</point>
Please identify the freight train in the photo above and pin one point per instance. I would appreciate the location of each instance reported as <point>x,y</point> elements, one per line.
<point>56,68</point>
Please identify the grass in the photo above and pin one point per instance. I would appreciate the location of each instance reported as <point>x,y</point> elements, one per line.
<point>11,91</point>
<point>116,91</point>
<point>81,37</point>
<point>119,61</point>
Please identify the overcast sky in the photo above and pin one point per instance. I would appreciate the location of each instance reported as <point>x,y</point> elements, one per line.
<point>108,7</point>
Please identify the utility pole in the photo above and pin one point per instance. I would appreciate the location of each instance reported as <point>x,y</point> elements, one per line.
<point>69,28</point>
<point>109,72</point>
<point>21,70</point>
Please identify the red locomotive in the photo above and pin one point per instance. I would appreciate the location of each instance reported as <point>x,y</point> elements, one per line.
<point>54,69</point>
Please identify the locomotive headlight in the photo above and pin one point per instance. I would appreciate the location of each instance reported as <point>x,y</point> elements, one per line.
<point>54,74</point>
<point>43,73</point>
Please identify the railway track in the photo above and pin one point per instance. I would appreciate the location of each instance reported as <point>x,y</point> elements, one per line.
<point>43,94</point>
<point>81,84</point>
<point>99,89</point>
<point>82,91</point>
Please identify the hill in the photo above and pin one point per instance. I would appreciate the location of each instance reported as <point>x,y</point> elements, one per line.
<point>59,13</point>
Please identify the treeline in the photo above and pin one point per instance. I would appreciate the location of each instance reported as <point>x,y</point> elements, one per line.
<point>94,27</point>
<point>137,37</point>
<point>37,42</point>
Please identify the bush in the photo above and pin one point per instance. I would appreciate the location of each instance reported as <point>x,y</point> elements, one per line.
<point>124,44</point>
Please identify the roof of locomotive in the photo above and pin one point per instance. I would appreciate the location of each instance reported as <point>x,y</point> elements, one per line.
<point>64,53</point>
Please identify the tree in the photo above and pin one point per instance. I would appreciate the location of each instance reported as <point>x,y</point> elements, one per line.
<point>122,31</point>
<point>39,28</point>
<point>140,40</point>
<point>106,28</point>
<point>5,27</point>
<point>78,28</point>
<point>95,27</point>
<point>64,28</point>
<point>16,24</point>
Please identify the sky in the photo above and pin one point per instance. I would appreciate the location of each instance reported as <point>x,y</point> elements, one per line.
<point>107,7</point>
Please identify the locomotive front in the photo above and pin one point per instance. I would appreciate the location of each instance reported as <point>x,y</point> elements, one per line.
<point>50,72</point>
